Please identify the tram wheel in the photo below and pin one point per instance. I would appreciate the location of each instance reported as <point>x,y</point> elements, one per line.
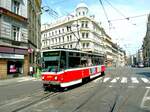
<point>102,73</point>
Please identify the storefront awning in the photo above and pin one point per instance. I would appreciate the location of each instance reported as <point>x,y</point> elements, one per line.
<point>11,56</point>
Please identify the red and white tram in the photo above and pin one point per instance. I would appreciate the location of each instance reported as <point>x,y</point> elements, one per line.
<point>65,67</point>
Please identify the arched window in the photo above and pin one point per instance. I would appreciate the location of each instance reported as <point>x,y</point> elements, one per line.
<point>83,13</point>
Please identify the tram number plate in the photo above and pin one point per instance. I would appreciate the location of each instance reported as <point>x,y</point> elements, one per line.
<point>49,76</point>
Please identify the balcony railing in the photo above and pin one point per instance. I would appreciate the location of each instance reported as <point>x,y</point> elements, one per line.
<point>10,42</point>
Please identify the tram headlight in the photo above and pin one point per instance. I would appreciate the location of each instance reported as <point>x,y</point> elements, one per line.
<point>55,77</point>
<point>42,77</point>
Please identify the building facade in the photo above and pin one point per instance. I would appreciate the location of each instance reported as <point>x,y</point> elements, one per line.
<point>79,31</point>
<point>75,31</point>
<point>16,40</point>
<point>146,45</point>
<point>13,38</point>
<point>140,57</point>
<point>34,30</point>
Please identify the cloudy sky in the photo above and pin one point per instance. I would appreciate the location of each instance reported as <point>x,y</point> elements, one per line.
<point>128,33</point>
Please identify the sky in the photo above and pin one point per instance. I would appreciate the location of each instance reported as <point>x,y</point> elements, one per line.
<point>127,33</point>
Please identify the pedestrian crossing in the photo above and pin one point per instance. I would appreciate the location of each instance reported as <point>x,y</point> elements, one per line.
<point>123,80</point>
<point>113,80</point>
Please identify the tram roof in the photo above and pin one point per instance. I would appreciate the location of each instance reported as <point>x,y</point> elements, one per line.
<point>74,50</point>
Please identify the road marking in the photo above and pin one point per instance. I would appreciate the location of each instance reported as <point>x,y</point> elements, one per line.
<point>98,79</point>
<point>28,79</point>
<point>36,80</point>
<point>145,98</point>
<point>23,80</point>
<point>106,79</point>
<point>124,80</point>
<point>131,86</point>
<point>134,80</point>
<point>110,86</point>
<point>115,80</point>
<point>145,80</point>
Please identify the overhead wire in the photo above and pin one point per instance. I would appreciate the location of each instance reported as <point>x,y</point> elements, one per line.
<point>49,10</point>
<point>104,10</point>
<point>115,8</point>
<point>100,1</point>
<point>130,17</point>
<point>119,12</point>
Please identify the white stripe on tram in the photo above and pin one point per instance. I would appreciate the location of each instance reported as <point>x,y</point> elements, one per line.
<point>134,80</point>
<point>124,80</point>
<point>93,76</point>
<point>66,84</point>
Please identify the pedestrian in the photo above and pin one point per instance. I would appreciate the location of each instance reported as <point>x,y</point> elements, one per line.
<point>31,71</point>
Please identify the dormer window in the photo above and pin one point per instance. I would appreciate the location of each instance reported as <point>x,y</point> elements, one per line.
<point>79,13</point>
<point>83,13</point>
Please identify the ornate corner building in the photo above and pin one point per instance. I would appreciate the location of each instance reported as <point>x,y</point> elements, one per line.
<point>81,31</point>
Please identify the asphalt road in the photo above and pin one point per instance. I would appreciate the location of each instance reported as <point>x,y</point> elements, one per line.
<point>120,90</point>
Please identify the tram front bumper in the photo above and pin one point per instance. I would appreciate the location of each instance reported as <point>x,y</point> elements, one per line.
<point>51,82</point>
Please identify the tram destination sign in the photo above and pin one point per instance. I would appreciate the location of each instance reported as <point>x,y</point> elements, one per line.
<point>47,54</point>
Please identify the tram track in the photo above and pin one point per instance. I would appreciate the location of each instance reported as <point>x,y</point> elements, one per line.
<point>91,95</point>
<point>45,97</point>
<point>29,95</point>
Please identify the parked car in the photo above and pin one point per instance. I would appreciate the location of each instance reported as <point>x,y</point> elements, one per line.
<point>140,65</point>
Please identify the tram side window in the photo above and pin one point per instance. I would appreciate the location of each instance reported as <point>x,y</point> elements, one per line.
<point>97,60</point>
<point>74,62</point>
<point>63,61</point>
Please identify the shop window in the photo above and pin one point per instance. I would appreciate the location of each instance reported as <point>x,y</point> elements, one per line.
<point>14,67</point>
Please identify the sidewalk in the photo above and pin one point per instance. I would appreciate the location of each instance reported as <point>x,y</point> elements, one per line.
<point>17,80</point>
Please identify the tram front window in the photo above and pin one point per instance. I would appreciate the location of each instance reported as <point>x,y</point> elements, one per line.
<point>50,66</point>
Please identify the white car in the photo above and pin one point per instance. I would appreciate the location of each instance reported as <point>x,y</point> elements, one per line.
<point>140,65</point>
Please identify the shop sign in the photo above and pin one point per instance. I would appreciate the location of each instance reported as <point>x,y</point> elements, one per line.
<point>12,69</point>
<point>11,56</point>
